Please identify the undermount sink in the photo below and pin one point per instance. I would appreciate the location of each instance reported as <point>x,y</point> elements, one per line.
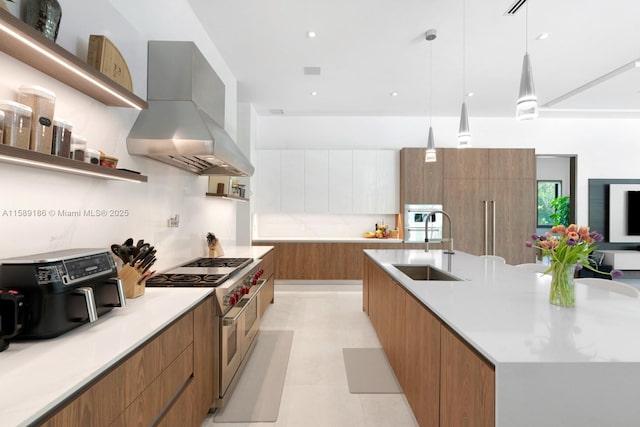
<point>425,272</point>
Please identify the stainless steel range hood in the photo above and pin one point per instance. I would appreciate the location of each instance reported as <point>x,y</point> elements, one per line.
<point>181,127</point>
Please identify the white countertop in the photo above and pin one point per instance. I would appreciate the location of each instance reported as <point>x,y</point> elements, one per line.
<point>36,376</point>
<point>554,366</point>
<point>326,240</point>
<point>504,311</point>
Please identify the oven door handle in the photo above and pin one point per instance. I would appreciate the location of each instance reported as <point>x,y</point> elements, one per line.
<point>227,321</point>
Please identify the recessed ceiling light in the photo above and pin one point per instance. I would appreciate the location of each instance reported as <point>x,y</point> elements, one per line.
<point>394,94</point>
<point>314,93</point>
<point>543,36</point>
<point>311,34</point>
<point>469,94</point>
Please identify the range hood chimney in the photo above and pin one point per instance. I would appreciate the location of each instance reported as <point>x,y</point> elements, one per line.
<point>182,127</point>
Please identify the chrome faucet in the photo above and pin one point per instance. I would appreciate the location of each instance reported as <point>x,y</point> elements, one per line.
<point>426,231</point>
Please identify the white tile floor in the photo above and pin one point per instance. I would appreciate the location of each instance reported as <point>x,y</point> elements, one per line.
<point>326,318</point>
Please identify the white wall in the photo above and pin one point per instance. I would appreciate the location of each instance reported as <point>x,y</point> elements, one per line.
<point>555,169</point>
<point>169,191</point>
<point>605,148</point>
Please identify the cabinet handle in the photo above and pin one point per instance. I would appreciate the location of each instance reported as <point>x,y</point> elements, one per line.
<point>486,228</point>
<point>171,401</point>
<point>493,206</point>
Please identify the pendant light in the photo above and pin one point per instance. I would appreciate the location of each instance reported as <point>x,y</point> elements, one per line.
<point>464,135</point>
<point>430,153</point>
<point>527,104</point>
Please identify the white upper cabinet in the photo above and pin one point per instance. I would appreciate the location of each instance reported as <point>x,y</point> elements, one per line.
<point>388,181</point>
<point>267,181</point>
<point>341,181</point>
<point>316,181</point>
<point>364,181</point>
<point>292,183</point>
<point>376,181</point>
<point>328,181</point>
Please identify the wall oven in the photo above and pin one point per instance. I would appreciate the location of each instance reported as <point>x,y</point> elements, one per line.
<point>415,218</point>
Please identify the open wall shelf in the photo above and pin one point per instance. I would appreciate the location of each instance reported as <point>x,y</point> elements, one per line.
<point>28,45</point>
<point>22,157</point>
<point>227,196</point>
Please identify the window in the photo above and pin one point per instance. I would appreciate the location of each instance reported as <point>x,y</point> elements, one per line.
<point>547,192</point>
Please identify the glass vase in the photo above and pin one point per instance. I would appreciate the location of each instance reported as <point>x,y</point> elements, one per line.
<point>44,16</point>
<point>562,285</point>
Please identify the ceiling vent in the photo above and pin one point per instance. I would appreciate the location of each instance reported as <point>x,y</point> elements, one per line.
<point>515,7</point>
<point>311,71</point>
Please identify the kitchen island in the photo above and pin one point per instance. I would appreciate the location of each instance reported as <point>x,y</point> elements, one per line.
<point>160,338</point>
<point>489,349</point>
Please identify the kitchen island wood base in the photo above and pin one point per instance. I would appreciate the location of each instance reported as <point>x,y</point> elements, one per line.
<point>482,346</point>
<point>444,380</point>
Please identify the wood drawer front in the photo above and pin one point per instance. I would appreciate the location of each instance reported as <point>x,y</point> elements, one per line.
<point>182,412</point>
<point>164,391</point>
<point>103,402</point>
<point>157,355</point>
<point>267,264</point>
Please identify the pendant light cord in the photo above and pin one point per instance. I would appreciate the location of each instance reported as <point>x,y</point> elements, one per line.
<point>526,27</point>
<point>430,81</point>
<point>464,46</point>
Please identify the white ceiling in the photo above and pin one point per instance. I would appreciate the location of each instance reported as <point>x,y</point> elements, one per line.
<point>369,48</point>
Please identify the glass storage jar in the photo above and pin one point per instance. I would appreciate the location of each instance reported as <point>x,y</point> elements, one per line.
<point>42,102</point>
<point>78,147</point>
<point>17,124</point>
<point>61,142</point>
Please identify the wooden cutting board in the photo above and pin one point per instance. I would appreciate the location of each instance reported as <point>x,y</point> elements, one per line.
<point>105,57</point>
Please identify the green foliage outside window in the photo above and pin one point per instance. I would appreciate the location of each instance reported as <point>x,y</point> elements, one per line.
<point>548,191</point>
<point>561,208</point>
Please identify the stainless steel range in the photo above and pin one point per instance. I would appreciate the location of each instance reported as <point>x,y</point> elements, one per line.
<point>237,283</point>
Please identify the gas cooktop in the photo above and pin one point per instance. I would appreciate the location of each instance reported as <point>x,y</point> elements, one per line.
<point>219,262</point>
<point>210,272</point>
<point>183,280</point>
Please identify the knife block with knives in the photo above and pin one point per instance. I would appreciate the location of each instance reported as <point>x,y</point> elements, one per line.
<point>137,261</point>
<point>133,281</point>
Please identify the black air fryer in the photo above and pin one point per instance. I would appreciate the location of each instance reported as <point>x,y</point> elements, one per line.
<point>11,315</point>
<point>62,290</point>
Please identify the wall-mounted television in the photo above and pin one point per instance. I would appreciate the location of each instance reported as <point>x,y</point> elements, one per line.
<point>633,213</point>
<point>624,213</point>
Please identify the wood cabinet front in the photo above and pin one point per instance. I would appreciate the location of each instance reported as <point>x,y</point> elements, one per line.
<point>467,389</point>
<point>420,182</point>
<point>490,196</point>
<point>321,260</point>
<point>421,383</point>
<point>266,296</point>
<point>205,357</point>
<point>444,380</point>
<point>171,380</point>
